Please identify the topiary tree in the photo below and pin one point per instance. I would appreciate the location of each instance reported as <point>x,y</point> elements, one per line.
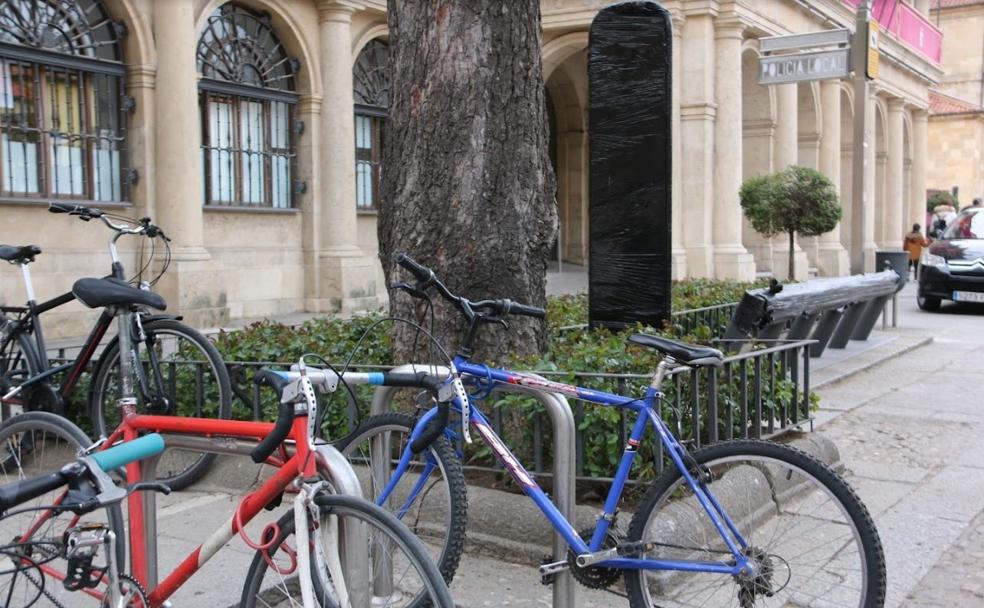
<point>797,200</point>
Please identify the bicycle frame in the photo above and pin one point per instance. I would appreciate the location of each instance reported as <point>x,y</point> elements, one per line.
<point>647,414</point>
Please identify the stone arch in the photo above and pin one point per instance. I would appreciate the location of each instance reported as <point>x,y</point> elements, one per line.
<point>138,44</point>
<point>567,92</point>
<point>375,30</point>
<point>558,50</point>
<point>284,22</point>
<point>758,110</point>
<point>809,123</point>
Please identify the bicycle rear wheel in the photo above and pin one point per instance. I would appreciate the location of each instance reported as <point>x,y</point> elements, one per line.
<point>32,444</point>
<point>810,539</point>
<point>18,362</point>
<point>400,573</point>
<point>181,374</point>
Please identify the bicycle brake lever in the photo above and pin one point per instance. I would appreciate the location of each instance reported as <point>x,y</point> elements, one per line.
<point>150,486</point>
<point>410,289</point>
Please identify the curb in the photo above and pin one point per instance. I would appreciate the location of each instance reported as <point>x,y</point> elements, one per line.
<point>882,358</point>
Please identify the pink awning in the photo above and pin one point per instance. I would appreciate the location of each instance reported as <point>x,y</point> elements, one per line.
<point>908,25</point>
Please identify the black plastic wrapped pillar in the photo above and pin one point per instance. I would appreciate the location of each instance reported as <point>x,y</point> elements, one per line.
<point>824,330</point>
<point>630,83</point>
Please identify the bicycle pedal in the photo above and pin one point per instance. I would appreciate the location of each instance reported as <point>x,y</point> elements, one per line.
<point>550,568</point>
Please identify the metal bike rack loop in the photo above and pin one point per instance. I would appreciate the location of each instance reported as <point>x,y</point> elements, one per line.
<point>331,463</point>
<point>562,419</point>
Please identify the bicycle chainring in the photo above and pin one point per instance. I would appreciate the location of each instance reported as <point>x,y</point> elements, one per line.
<point>134,595</point>
<point>596,577</point>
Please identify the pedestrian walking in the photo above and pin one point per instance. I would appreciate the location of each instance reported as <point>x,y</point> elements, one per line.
<point>914,243</point>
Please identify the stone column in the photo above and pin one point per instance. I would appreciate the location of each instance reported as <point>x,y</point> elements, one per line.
<point>179,172</point>
<point>731,260</point>
<point>920,119</point>
<point>308,161</point>
<point>679,253</point>
<point>697,114</point>
<point>867,240</point>
<point>190,285</point>
<point>831,256</point>
<point>347,275</point>
<point>786,154</point>
<point>895,227</point>
<point>787,126</point>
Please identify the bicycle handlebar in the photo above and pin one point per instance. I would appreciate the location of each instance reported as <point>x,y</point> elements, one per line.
<point>22,491</point>
<point>285,416</point>
<point>502,307</point>
<point>144,225</point>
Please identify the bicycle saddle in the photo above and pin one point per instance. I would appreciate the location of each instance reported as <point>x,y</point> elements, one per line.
<point>96,293</point>
<point>17,253</point>
<point>684,353</point>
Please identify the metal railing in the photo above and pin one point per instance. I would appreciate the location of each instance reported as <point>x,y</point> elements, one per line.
<point>762,393</point>
<point>716,318</point>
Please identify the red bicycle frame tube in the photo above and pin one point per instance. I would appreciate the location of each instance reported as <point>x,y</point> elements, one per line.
<point>300,464</point>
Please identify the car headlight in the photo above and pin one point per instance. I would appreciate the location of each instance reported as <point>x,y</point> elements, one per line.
<point>929,259</point>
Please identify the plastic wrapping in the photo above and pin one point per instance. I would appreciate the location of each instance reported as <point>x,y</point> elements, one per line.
<point>759,307</point>
<point>630,84</point>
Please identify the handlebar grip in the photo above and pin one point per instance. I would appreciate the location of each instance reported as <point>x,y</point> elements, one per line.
<point>275,380</point>
<point>285,419</point>
<point>527,311</point>
<point>125,453</point>
<point>417,380</point>
<point>433,430</point>
<point>61,208</point>
<point>422,273</point>
<point>19,492</point>
<point>285,416</point>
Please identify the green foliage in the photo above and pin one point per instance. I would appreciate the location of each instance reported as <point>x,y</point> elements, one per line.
<point>941,197</point>
<point>796,200</point>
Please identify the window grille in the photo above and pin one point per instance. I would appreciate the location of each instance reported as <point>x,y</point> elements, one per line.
<point>62,117</point>
<point>370,78</point>
<point>248,108</point>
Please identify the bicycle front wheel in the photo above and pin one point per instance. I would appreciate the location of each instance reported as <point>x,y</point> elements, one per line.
<point>33,444</point>
<point>810,539</point>
<point>430,498</point>
<point>397,572</point>
<point>180,373</point>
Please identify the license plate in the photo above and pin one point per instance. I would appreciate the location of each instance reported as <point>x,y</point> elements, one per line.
<point>968,296</point>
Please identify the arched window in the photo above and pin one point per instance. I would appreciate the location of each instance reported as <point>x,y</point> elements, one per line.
<point>248,104</point>
<point>62,118</point>
<point>370,83</point>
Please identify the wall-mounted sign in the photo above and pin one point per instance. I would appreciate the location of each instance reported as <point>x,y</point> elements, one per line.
<point>800,67</point>
<point>874,34</point>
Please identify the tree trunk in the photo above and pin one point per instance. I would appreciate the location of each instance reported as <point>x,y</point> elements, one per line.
<point>468,189</point>
<point>792,256</point>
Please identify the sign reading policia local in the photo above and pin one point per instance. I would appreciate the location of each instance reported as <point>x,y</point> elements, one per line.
<point>819,65</point>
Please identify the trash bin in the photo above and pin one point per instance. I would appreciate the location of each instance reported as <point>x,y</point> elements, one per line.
<point>897,260</point>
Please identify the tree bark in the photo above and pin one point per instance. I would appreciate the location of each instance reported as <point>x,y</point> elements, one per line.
<point>467,185</point>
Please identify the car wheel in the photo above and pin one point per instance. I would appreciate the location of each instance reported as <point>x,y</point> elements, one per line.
<point>928,303</point>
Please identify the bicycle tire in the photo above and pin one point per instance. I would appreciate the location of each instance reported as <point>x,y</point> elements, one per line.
<point>18,362</point>
<point>55,442</point>
<point>447,519</point>
<point>213,399</point>
<point>753,480</point>
<point>433,590</point>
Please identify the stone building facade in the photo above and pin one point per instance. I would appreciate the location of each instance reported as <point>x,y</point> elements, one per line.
<point>956,121</point>
<point>251,130</point>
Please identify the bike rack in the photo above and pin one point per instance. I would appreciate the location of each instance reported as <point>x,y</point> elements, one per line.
<point>562,418</point>
<point>338,472</point>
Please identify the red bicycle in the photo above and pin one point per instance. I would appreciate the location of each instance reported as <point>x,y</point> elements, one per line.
<point>337,563</point>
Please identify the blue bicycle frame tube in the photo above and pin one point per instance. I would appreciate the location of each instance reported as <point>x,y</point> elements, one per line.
<point>646,407</point>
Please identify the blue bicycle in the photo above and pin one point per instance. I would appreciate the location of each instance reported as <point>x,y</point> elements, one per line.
<point>739,523</point>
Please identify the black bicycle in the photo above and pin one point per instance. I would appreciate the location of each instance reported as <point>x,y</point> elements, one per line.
<point>176,370</point>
